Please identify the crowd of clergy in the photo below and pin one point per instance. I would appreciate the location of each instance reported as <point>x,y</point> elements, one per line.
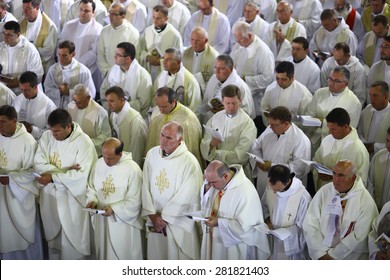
<point>194,129</point>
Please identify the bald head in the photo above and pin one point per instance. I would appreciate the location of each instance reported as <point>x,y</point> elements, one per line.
<point>112,150</point>
<point>199,39</point>
<point>218,174</point>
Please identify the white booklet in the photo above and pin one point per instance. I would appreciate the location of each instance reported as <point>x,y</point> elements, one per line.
<point>256,158</point>
<point>214,132</point>
<point>94,211</point>
<point>309,121</point>
<point>280,233</point>
<point>320,168</point>
<point>197,216</point>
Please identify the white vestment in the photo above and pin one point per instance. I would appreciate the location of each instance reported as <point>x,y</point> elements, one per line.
<point>357,79</point>
<point>291,30</point>
<point>235,237</point>
<point>117,237</point>
<point>379,71</point>
<point>239,133</point>
<point>216,24</point>
<point>34,111</point>
<point>19,59</point>
<point>7,96</point>
<point>287,210</point>
<point>73,74</point>
<point>153,41</point>
<point>56,10</point>
<point>233,9</point>
<point>267,9</point>
<point>18,223</point>
<point>136,83</point>
<point>178,16</point>
<point>333,150</point>
<point>109,38</point>
<point>65,224</point>
<point>93,120</point>
<point>373,236</point>
<point>100,12</point>
<point>129,126</point>
<point>214,90</point>
<point>259,26</point>
<point>255,64</point>
<point>354,223</point>
<point>307,73</point>
<point>296,98</point>
<point>184,84</point>
<point>137,14</point>
<point>171,189</point>
<point>378,184</point>
<point>85,37</point>
<point>286,149</point>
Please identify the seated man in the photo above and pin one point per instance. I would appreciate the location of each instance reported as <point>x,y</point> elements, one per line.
<point>339,217</point>
<point>92,118</point>
<point>178,78</point>
<point>17,55</point>
<point>171,180</point>
<point>127,124</point>
<point>286,196</point>
<point>379,175</point>
<point>33,106</point>
<point>229,199</point>
<point>65,75</point>
<point>381,225</point>
<point>114,186</point>
<point>281,143</point>
<point>341,143</point>
<point>375,118</point>
<point>380,71</point>
<point>128,74</point>
<point>237,129</point>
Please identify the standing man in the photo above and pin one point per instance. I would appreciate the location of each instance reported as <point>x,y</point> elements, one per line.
<point>230,201</point>
<point>92,118</point>
<point>115,187</point>
<point>19,224</point>
<point>339,217</point>
<point>128,74</point>
<point>64,159</point>
<point>380,71</point>
<point>63,76</point>
<point>127,124</point>
<point>33,105</point>
<point>171,181</point>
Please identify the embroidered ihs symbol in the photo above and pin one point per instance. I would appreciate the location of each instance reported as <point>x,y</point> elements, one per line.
<point>55,160</point>
<point>3,159</point>
<point>108,186</point>
<point>162,181</point>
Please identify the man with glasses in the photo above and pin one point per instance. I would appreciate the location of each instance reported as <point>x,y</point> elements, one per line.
<point>336,94</point>
<point>128,74</point>
<point>380,71</point>
<point>120,30</point>
<point>92,118</point>
<point>17,55</point>
<point>63,76</point>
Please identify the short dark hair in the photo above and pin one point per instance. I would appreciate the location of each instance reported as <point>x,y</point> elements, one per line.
<point>231,91</point>
<point>59,116</point>
<point>380,19</point>
<point>167,91</point>
<point>67,45</point>
<point>280,113</point>
<point>34,3</point>
<point>177,55</point>
<point>303,41</point>
<point>162,9</point>
<point>12,25</point>
<point>226,59</point>
<point>118,149</point>
<point>387,38</point>
<point>342,47</point>
<point>285,67</point>
<point>328,14</point>
<point>338,116</point>
<point>388,130</point>
<point>342,69</point>
<point>128,48</point>
<point>224,168</point>
<point>8,111</point>
<point>383,85</point>
<point>118,91</point>
<point>279,172</point>
<point>87,2</point>
<point>29,77</point>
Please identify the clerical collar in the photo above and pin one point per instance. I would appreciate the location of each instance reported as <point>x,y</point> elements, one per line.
<point>69,133</point>
<point>160,29</point>
<point>298,61</point>
<point>66,67</point>
<point>198,53</point>
<point>231,115</point>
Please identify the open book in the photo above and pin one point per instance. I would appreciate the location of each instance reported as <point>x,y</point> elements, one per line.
<point>280,233</point>
<point>214,132</point>
<point>383,242</point>
<point>320,168</point>
<point>322,55</point>
<point>256,158</point>
<point>309,121</point>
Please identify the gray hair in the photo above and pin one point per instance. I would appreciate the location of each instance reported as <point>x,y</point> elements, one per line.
<point>343,70</point>
<point>177,56</point>
<point>243,28</point>
<point>199,29</point>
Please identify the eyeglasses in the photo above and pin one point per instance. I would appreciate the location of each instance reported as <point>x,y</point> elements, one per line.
<point>114,14</point>
<point>386,47</point>
<point>220,68</point>
<point>335,81</point>
<point>7,34</point>
<point>119,55</point>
